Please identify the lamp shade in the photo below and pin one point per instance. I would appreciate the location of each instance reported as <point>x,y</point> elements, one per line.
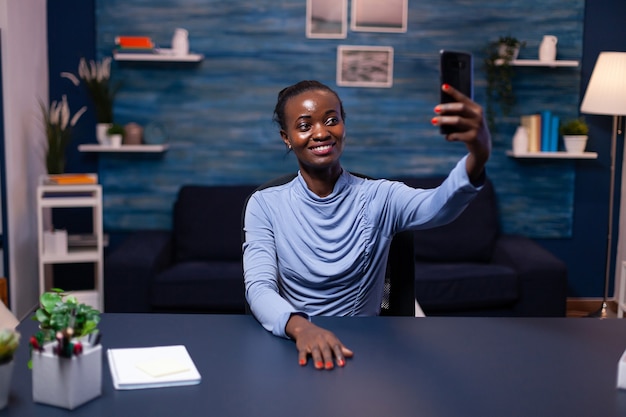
<point>606,92</point>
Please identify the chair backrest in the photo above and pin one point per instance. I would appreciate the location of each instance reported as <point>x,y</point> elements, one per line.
<point>399,292</point>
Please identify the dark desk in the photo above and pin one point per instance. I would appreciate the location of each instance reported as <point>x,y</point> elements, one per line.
<point>435,366</point>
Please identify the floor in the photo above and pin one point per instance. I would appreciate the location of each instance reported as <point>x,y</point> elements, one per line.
<point>585,308</point>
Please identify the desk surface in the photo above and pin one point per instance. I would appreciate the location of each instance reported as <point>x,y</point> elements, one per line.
<point>436,366</point>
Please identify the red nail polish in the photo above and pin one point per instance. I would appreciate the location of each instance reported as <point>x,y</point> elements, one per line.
<point>437,109</point>
<point>329,365</point>
<point>446,87</point>
<point>434,121</point>
<point>319,364</point>
<point>341,362</point>
<point>302,362</point>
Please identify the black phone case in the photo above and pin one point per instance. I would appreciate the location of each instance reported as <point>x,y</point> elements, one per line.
<point>457,70</point>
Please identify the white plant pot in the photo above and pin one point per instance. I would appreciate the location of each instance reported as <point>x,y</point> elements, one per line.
<point>67,382</point>
<point>101,133</point>
<point>6,372</point>
<point>575,143</point>
<point>115,141</point>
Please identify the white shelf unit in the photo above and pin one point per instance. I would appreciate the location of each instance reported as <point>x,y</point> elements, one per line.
<point>553,155</point>
<point>156,57</point>
<point>72,196</point>
<point>87,147</point>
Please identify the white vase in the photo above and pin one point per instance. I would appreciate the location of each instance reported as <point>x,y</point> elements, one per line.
<point>180,42</point>
<point>101,133</point>
<point>520,141</point>
<point>547,48</point>
<point>6,371</point>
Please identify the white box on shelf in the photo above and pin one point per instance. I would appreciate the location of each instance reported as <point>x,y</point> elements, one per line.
<point>67,382</point>
<point>55,242</point>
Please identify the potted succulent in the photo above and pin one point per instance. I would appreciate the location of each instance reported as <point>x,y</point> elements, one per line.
<point>575,133</point>
<point>115,133</point>
<point>499,72</point>
<point>9,342</point>
<point>65,357</point>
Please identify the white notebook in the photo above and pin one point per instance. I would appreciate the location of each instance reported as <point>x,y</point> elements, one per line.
<point>152,367</point>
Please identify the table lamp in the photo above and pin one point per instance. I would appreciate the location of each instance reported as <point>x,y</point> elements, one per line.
<point>606,94</point>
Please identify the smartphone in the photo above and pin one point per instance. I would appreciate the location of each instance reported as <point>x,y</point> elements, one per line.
<point>457,70</point>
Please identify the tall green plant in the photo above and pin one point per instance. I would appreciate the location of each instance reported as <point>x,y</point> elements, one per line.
<point>96,78</point>
<point>499,74</point>
<point>58,128</point>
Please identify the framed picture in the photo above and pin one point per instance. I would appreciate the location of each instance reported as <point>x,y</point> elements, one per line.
<point>364,66</point>
<point>379,15</point>
<point>327,19</point>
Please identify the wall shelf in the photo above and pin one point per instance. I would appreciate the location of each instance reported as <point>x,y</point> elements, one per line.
<point>156,57</point>
<point>124,148</point>
<point>537,63</point>
<point>553,155</point>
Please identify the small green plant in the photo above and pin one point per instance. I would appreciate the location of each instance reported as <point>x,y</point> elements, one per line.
<point>59,311</point>
<point>115,129</point>
<point>511,42</point>
<point>574,127</point>
<point>9,342</point>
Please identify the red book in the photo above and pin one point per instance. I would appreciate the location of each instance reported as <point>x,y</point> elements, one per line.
<point>134,42</point>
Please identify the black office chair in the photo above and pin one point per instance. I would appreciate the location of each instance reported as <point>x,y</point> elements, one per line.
<point>399,290</point>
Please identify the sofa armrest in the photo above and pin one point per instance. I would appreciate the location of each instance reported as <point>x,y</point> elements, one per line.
<point>542,276</point>
<point>129,269</point>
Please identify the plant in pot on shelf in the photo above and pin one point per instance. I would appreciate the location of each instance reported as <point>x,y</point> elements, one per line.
<point>575,133</point>
<point>96,77</point>
<point>58,124</point>
<point>499,72</point>
<point>9,342</point>
<point>115,133</point>
<point>66,355</point>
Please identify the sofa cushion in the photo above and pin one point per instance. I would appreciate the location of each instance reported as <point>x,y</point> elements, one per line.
<point>464,285</point>
<point>469,238</point>
<point>211,286</point>
<point>207,222</point>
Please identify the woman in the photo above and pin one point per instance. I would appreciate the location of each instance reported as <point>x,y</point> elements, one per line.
<point>318,244</point>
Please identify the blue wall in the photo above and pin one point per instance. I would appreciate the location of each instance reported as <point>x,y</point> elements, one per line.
<point>218,113</point>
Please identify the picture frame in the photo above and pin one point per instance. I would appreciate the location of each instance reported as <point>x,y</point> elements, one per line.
<point>327,19</point>
<point>365,66</point>
<point>379,16</point>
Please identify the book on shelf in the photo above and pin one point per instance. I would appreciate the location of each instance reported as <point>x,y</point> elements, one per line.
<point>543,131</point>
<point>152,367</point>
<point>532,123</point>
<point>70,179</point>
<point>134,42</point>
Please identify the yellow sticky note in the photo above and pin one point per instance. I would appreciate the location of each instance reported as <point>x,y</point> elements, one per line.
<point>162,366</point>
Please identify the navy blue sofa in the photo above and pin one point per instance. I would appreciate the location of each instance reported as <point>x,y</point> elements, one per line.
<point>465,268</point>
<point>468,267</point>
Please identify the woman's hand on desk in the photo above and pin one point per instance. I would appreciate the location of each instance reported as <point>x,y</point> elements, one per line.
<point>322,345</point>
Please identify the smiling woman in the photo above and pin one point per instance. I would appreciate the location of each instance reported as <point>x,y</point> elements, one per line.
<point>319,243</point>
